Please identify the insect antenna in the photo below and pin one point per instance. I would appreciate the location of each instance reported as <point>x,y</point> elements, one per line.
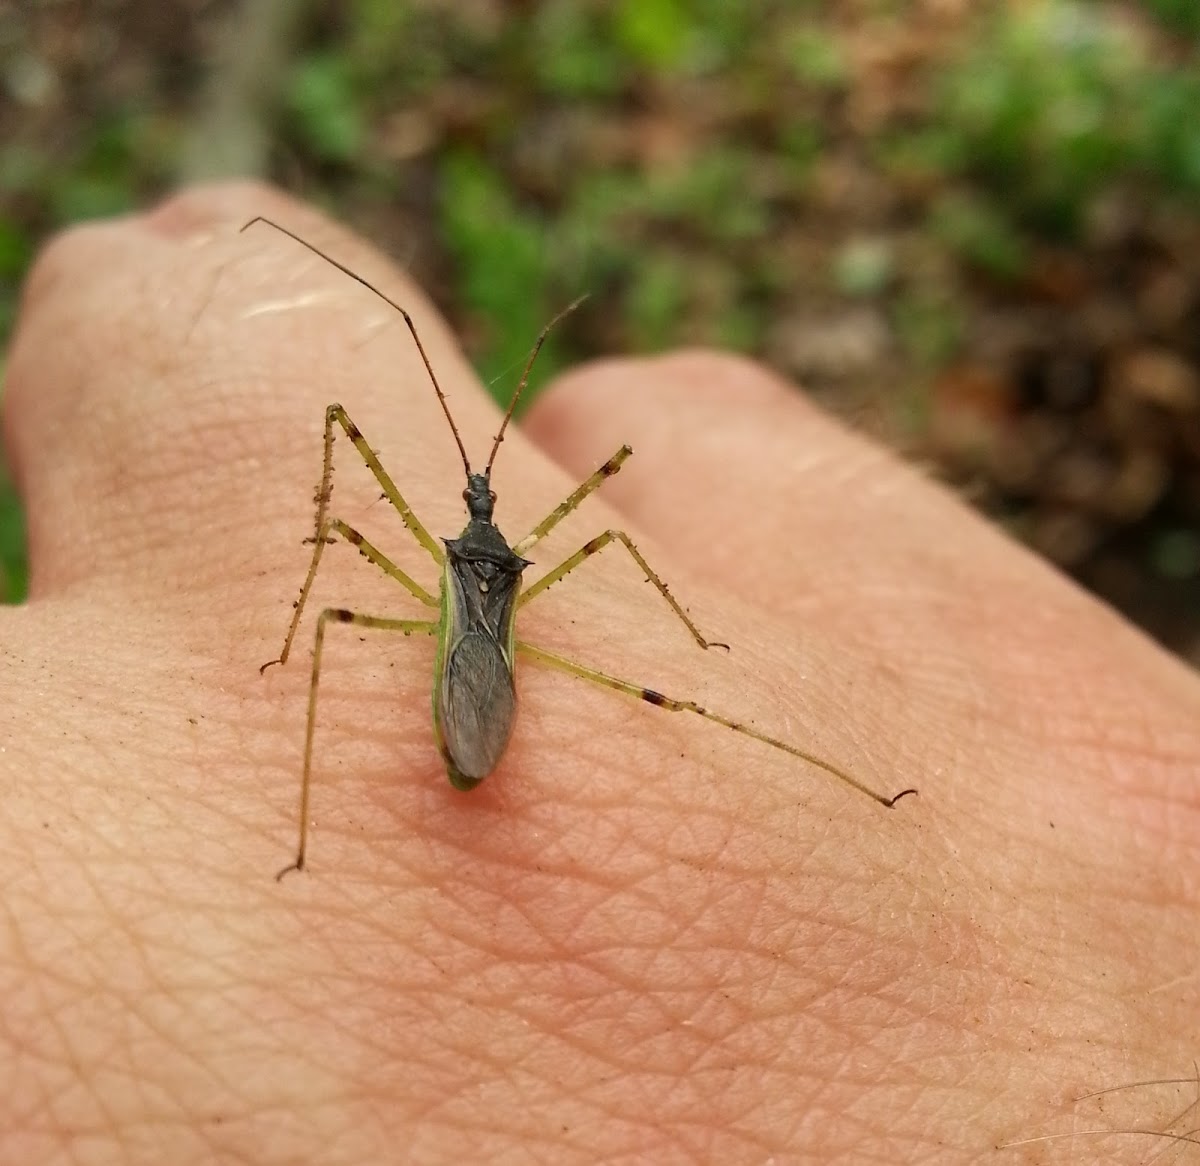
<point>512,404</point>
<point>411,327</point>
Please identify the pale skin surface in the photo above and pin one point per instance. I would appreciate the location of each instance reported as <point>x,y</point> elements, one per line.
<point>643,939</point>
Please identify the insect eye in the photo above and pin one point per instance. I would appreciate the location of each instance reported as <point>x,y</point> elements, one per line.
<point>492,495</point>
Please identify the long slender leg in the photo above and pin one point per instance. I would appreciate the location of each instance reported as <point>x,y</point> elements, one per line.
<point>409,627</point>
<point>369,552</point>
<point>373,554</point>
<point>677,706</point>
<point>324,525</point>
<point>594,547</point>
<point>565,507</point>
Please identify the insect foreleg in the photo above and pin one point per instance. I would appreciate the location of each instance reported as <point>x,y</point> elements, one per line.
<point>337,413</point>
<point>565,507</point>
<point>369,552</point>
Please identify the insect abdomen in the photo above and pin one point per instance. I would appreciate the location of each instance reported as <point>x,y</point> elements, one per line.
<point>477,706</point>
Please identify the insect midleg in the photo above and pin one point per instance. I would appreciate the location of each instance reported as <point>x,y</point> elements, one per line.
<point>565,507</point>
<point>672,705</point>
<point>369,552</point>
<point>325,525</point>
<point>373,554</point>
<point>338,615</point>
<point>594,547</point>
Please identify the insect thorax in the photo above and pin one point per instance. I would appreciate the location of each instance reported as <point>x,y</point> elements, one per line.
<point>486,575</point>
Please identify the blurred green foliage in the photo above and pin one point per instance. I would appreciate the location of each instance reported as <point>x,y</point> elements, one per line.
<point>1053,107</point>
<point>14,565</point>
<point>1044,109</point>
<point>501,256</point>
<point>326,110</point>
<point>1180,15</point>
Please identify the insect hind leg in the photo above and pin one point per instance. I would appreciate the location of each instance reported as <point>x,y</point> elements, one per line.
<point>409,627</point>
<point>671,704</point>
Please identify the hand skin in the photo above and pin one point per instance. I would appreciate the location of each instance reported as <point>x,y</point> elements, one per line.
<point>644,938</point>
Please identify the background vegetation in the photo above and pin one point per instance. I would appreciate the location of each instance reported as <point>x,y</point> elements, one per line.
<point>973,228</point>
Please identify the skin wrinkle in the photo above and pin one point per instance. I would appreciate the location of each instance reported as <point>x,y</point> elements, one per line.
<point>97,1066</point>
<point>31,1089</point>
<point>456,1104</point>
<point>1131,758</point>
<point>1107,742</point>
<point>80,1072</point>
<point>607,1113</point>
<point>454,1141</point>
<point>710,1140</point>
<point>508,931</point>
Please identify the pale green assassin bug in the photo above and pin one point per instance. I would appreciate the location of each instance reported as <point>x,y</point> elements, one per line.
<point>474,698</point>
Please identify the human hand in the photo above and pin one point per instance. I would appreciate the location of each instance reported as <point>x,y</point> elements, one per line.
<point>644,938</point>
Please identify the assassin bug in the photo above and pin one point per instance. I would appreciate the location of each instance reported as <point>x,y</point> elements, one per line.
<point>474,698</point>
